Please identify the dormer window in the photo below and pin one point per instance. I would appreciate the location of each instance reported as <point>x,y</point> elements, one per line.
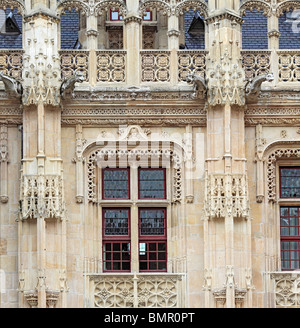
<point>10,25</point>
<point>197,26</point>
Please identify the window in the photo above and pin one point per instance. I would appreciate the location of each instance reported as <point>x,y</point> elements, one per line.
<point>289,218</point>
<point>152,183</point>
<point>115,15</point>
<point>290,182</point>
<point>124,251</point>
<point>290,237</point>
<point>148,16</point>
<point>116,239</point>
<point>152,239</point>
<point>115,183</point>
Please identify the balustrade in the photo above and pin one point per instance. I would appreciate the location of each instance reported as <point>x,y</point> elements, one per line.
<point>135,290</point>
<point>11,62</point>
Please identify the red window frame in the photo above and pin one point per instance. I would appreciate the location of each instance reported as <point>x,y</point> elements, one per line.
<point>116,260</point>
<point>153,258</point>
<point>280,179</point>
<point>103,185</point>
<point>139,182</point>
<point>120,18</point>
<point>290,237</point>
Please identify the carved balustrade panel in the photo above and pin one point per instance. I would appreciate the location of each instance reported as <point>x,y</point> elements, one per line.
<point>255,62</point>
<point>140,290</point>
<point>111,66</point>
<point>155,66</point>
<point>287,289</point>
<point>72,61</point>
<point>289,66</point>
<point>191,62</point>
<point>11,62</point>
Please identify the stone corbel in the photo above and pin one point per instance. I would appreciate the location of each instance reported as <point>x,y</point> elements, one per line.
<point>3,163</point>
<point>31,298</point>
<point>51,298</point>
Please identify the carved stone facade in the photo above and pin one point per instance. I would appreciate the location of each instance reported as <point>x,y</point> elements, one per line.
<point>219,123</point>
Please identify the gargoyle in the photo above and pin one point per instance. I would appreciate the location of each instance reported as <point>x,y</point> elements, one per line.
<point>200,85</point>
<point>13,88</point>
<point>68,84</point>
<point>253,86</point>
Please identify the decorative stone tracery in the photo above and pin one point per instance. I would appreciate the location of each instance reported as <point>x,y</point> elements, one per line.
<point>275,155</point>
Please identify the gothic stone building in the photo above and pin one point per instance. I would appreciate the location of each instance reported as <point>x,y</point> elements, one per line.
<point>150,153</point>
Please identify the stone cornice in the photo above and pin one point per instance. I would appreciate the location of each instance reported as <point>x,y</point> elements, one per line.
<point>224,14</point>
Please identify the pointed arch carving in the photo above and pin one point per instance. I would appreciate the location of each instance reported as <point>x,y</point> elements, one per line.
<point>159,5</point>
<point>287,6</point>
<point>259,5</point>
<point>195,5</point>
<point>106,5</point>
<point>79,6</point>
<point>13,4</point>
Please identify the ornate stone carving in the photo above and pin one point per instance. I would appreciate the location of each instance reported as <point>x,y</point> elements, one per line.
<point>42,196</point>
<point>191,62</point>
<point>200,85</point>
<point>68,84</point>
<point>155,66</point>
<point>287,289</point>
<point>51,298</point>
<point>259,5</point>
<point>3,163</point>
<point>111,66</point>
<point>226,195</point>
<point>253,86</point>
<point>74,61</point>
<point>225,81</point>
<point>128,290</point>
<point>272,157</point>
<point>289,66</point>
<point>13,87</point>
<point>255,63</point>
<point>32,298</point>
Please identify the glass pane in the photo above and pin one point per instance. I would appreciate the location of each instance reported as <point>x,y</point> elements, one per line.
<point>290,182</point>
<point>162,266</point>
<point>143,266</point>
<point>116,222</point>
<point>115,183</point>
<point>152,266</point>
<point>152,222</point>
<point>152,183</point>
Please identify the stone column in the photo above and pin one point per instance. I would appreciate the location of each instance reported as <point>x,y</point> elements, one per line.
<point>273,44</point>
<point>41,232</point>
<point>132,42</point>
<point>226,181</point>
<point>173,46</point>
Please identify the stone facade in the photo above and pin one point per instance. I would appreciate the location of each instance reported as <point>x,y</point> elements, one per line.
<point>220,121</point>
